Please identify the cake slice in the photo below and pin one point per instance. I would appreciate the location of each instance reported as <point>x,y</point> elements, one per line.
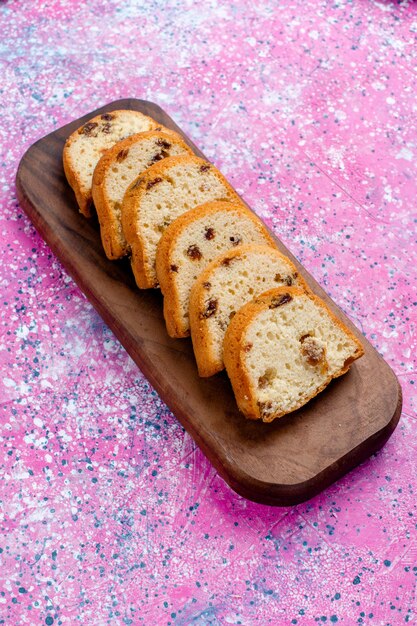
<point>84,148</point>
<point>190,243</point>
<point>231,280</point>
<point>283,348</point>
<point>165,191</point>
<point>117,169</point>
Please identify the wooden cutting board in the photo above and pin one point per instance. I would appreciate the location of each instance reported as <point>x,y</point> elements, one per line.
<point>282,463</point>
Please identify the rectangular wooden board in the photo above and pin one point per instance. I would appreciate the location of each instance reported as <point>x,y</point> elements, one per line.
<point>282,463</point>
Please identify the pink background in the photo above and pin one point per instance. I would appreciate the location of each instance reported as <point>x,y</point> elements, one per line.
<point>109,513</point>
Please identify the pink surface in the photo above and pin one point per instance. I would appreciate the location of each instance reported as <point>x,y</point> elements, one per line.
<point>109,513</point>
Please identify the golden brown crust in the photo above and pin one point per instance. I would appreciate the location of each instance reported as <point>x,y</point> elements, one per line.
<point>232,348</point>
<point>165,262</point>
<point>84,200</point>
<point>207,362</point>
<point>113,246</point>
<point>83,195</point>
<point>129,214</point>
<point>235,348</point>
<point>131,210</point>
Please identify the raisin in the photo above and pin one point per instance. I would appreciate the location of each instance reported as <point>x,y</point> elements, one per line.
<point>207,285</point>
<point>235,239</point>
<point>194,253</point>
<point>174,268</point>
<point>210,309</point>
<point>153,182</point>
<point>286,280</point>
<point>313,352</point>
<point>88,128</point>
<point>232,314</point>
<point>106,128</point>
<point>107,117</point>
<point>280,300</point>
<point>266,379</point>
<point>163,143</point>
<point>205,167</point>
<point>209,234</point>
<point>158,156</point>
<point>226,262</point>
<point>122,155</point>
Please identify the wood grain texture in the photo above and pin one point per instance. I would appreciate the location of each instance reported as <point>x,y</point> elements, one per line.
<point>282,463</point>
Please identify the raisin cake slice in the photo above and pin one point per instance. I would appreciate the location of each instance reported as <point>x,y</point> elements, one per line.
<point>231,280</point>
<point>165,191</point>
<point>117,169</point>
<point>283,348</point>
<point>190,243</point>
<point>84,148</point>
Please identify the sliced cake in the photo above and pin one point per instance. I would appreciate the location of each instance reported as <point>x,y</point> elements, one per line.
<point>283,348</point>
<point>117,169</point>
<point>190,243</point>
<point>165,191</point>
<point>84,148</point>
<point>226,284</point>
